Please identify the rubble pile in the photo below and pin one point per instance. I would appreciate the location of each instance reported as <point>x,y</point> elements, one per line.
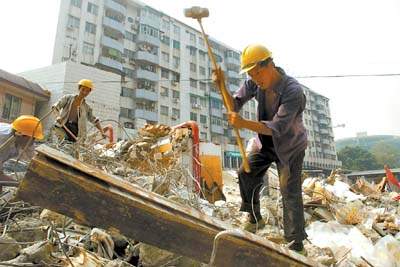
<point>347,225</point>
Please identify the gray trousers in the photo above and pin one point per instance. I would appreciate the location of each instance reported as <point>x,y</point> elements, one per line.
<point>290,187</point>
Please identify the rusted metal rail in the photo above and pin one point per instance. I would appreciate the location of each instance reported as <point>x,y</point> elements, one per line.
<point>63,184</point>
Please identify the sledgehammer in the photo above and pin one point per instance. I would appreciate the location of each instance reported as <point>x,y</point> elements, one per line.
<point>198,13</point>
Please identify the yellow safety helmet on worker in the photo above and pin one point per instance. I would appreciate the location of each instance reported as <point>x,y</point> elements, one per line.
<point>28,125</point>
<point>252,55</point>
<point>87,83</point>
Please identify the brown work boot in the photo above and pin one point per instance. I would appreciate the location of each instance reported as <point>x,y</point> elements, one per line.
<point>299,248</point>
<point>252,225</point>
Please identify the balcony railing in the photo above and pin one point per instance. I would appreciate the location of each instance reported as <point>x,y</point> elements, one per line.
<point>110,63</point>
<point>116,6</point>
<point>145,74</point>
<point>146,56</point>
<point>116,25</point>
<point>109,42</point>
<point>150,115</point>
<point>146,94</point>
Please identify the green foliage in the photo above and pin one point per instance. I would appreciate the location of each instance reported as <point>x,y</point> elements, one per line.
<point>386,154</point>
<point>357,159</point>
<point>385,148</point>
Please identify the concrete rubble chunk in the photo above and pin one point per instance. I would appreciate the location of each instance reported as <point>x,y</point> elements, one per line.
<point>9,248</point>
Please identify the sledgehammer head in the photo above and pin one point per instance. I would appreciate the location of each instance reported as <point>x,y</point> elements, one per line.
<point>196,12</point>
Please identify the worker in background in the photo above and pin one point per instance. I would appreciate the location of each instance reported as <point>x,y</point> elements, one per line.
<point>74,112</point>
<point>14,139</point>
<point>283,138</point>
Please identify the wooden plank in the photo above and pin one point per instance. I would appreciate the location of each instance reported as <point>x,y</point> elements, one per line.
<point>89,196</point>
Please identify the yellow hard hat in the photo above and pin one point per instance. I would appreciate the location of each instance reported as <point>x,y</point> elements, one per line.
<point>86,83</point>
<point>28,125</point>
<point>252,55</point>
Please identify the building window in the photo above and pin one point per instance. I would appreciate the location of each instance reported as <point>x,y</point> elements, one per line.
<point>193,116</point>
<point>88,49</point>
<point>130,19</point>
<point>92,8</point>
<point>193,67</point>
<point>77,3</point>
<point>90,28</point>
<point>203,119</point>
<point>175,61</point>
<point>165,40</point>
<point>129,36</point>
<point>193,99</point>
<point>73,22</point>
<point>193,83</point>
<point>192,50</point>
<point>202,55</point>
<point>165,56</point>
<point>164,110</point>
<point>201,41</point>
<point>176,44</point>
<point>148,30</point>
<point>12,107</point>
<point>176,112</point>
<point>164,91</point>
<point>203,102</point>
<point>192,38</point>
<point>175,77</point>
<point>202,70</point>
<point>165,73</point>
<point>129,73</point>
<point>202,86</point>
<point>177,30</point>
<point>127,92</point>
<point>253,116</point>
<point>216,103</point>
<point>247,115</point>
<point>129,53</point>
<point>175,94</point>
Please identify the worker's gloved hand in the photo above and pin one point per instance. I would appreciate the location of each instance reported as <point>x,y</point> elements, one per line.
<point>235,120</point>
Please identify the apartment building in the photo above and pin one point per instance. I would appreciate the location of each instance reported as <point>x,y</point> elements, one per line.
<point>321,151</point>
<point>162,64</point>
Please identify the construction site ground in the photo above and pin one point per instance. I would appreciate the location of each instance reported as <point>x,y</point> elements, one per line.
<point>347,224</point>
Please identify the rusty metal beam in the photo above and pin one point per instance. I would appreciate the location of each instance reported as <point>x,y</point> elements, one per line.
<point>60,183</point>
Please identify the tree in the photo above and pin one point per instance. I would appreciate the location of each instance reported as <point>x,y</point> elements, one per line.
<point>386,154</point>
<point>358,159</point>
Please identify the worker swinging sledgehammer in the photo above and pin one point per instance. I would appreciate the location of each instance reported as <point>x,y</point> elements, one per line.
<point>280,129</point>
<point>74,112</point>
<point>16,138</point>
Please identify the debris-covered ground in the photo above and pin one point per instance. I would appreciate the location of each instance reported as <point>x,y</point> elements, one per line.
<point>355,225</point>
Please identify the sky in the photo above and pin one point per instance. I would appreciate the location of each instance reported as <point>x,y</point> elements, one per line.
<point>307,38</point>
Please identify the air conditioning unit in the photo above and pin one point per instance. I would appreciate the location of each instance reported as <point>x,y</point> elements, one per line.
<point>174,117</point>
<point>175,100</point>
<point>205,126</point>
<point>173,82</point>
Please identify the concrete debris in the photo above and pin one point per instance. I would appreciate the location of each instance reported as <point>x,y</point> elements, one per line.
<point>9,248</point>
<point>347,224</point>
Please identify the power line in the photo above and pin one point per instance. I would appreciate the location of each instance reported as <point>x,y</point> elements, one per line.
<point>209,79</point>
<point>350,75</point>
